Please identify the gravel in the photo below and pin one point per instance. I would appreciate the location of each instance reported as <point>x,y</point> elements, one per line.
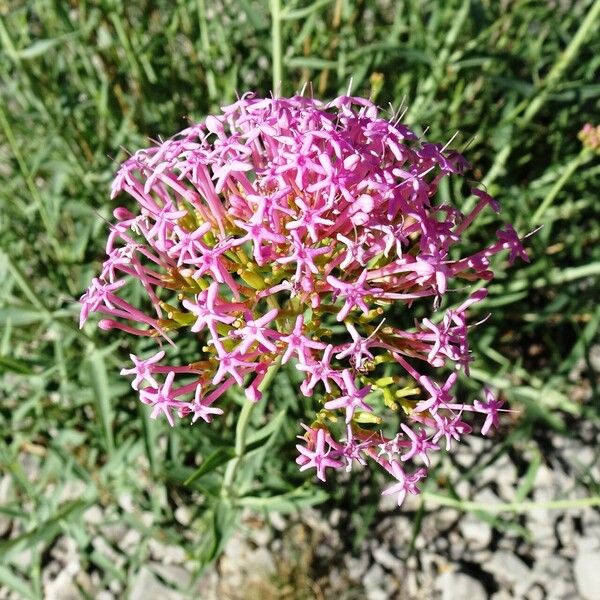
<point>539,555</point>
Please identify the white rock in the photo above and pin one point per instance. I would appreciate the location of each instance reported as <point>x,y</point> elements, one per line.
<point>536,593</point>
<point>61,587</point>
<point>147,518</point>
<point>5,521</point>
<point>126,502</point>
<point>476,532</point>
<point>104,548</point>
<point>551,567</point>
<point>131,539</point>
<point>147,586</point>
<point>176,575</point>
<point>277,521</point>
<point>486,496</point>
<point>587,544</point>
<point>114,532</point>
<point>459,586</point>
<point>168,554</point>
<point>374,581</point>
<point>587,575</point>
<point>183,515</point>
<point>509,569</point>
<point>385,558</point>
<point>72,490</point>
<point>93,515</point>
<point>356,566</point>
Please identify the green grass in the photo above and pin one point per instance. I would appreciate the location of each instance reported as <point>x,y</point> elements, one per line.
<point>81,83</point>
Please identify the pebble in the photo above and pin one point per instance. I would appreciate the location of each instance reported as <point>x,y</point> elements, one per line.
<point>5,521</point>
<point>260,535</point>
<point>587,575</point>
<point>476,532</point>
<point>114,532</point>
<point>374,583</point>
<point>504,474</point>
<point>73,489</point>
<point>509,569</point>
<point>566,532</point>
<point>460,586</point>
<point>356,565</point>
<point>536,593</point>
<point>174,574</point>
<point>587,544</point>
<point>61,587</point>
<point>386,559</point>
<point>277,521</point>
<point>183,515</point>
<point>131,539</point>
<point>147,585</point>
<point>93,515</point>
<point>168,554</point>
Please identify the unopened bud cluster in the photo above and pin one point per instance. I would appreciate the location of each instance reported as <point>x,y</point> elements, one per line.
<point>290,230</point>
<point>590,137</point>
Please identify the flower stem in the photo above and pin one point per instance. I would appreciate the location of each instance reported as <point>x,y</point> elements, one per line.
<point>241,431</point>
<point>276,53</point>
<point>514,507</point>
<point>573,165</point>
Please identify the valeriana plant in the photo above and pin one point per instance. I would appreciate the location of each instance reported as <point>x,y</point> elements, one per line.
<point>291,230</point>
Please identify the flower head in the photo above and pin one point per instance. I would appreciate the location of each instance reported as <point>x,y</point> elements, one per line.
<point>281,231</point>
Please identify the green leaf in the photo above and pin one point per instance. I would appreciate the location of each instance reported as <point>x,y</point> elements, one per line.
<point>102,396</point>
<point>18,584</point>
<point>219,523</point>
<point>528,481</point>
<point>45,531</point>
<point>15,365</point>
<point>215,460</point>
<point>288,502</point>
<point>302,13</point>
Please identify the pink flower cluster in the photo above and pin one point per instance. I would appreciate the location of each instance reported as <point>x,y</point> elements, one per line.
<point>290,230</point>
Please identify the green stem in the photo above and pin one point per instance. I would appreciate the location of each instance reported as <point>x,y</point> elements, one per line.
<point>514,507</point>
<point>563,62</point>
<point>211,82</point>
<point>582,157</point>
<point>276,52</point>
<point>240,447</point>
<point>241,434</point>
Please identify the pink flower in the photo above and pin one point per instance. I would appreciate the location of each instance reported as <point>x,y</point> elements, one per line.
<point>419,444</point>
<point>407,484</point>
<point>319,371</point>
<point>255,331</point>
<point>490,408</point>
<point>354,293</point>
<point>353,398</point>
<point>440,395</point>
<point>316,455</point>
<point>299,344</point>
<point>161,399</point>
<point>143,369</point>
<point>201,409</point>
<point>291,230</point>
<point>207,312</point>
